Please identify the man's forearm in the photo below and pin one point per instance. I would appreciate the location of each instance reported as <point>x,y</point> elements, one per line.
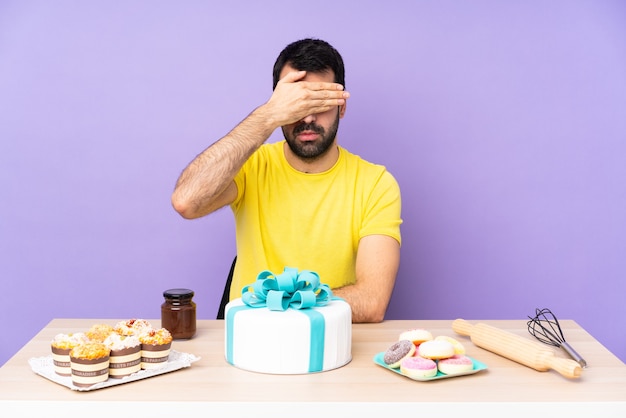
<point>363,308</point>
<point>378,259</point>
<point>204,180</point>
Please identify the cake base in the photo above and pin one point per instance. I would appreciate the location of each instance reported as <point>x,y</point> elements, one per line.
<point>294,341</point>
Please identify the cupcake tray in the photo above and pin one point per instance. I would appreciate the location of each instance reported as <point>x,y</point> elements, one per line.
<point>44,367</point>
<point>478,366</point>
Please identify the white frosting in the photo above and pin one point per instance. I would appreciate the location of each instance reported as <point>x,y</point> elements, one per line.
<point>119,342</point>
<point>133,327</point>
<point>278,342</point>
<point>436,349</point>
<point>457,364</point>
<point>71,339</point>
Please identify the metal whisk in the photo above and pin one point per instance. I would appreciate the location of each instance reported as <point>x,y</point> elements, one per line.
<point>545,327</point>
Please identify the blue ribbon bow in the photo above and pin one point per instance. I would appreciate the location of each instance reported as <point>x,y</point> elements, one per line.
<point>289,289</point>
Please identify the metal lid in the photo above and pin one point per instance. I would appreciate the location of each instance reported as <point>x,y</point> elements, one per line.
<point>178,293</point>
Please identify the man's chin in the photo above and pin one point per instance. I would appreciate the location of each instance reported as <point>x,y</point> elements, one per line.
<point>308,150</point>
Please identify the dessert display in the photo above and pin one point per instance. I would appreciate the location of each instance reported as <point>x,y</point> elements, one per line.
<point>106,355</point>
<point>90,363</point>
<point>288,324</point>
<point>421,356</point>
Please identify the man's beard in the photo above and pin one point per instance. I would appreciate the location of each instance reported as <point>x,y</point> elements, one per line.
<point>315,149</point>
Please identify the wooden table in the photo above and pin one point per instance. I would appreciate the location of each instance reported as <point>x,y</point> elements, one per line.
<point>211,387</point>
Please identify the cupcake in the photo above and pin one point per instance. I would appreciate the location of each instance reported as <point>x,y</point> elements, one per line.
<point>61,346</point>
<point>155,348</point>
<point>90,363</point>
<point>125,356</point>
<point>132,327</point>
<point>99,332</point>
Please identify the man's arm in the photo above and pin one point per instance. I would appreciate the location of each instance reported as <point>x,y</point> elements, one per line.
<point>207,183</point>
<point>377,262</point>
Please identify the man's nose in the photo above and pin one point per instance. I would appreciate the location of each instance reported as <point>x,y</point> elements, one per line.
<point>309,119</point>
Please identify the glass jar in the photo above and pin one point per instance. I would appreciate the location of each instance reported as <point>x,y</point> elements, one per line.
<point>178,313</point>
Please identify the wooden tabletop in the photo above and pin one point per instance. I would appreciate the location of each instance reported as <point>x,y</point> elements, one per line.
<point>212,384</point>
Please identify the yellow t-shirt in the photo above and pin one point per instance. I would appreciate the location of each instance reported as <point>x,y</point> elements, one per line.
<point>286,218</point>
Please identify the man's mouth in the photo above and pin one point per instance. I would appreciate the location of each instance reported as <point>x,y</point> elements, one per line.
<point>308,132</point>
<point>306,136</point>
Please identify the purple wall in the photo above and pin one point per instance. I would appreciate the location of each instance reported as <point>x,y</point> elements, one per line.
<point>504,123</point>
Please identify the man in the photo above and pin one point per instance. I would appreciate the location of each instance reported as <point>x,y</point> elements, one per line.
<point>304,202</point>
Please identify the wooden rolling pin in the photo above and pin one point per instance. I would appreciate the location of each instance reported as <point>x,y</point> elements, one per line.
<point>514,347</point>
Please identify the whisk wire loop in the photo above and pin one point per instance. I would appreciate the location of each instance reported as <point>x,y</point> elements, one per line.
<point>545,327</point>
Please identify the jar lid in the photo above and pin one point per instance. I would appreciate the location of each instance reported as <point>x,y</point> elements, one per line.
<point>178,293</point>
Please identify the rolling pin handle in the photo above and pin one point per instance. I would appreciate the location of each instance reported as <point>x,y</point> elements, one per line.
<point>462,327</point>
<point>566,367</point>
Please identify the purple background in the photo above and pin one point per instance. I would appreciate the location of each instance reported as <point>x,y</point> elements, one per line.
<point>504,123</point>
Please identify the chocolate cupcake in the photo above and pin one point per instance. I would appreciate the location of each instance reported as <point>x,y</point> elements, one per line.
<point>155,348</point>
<point>89,363</point>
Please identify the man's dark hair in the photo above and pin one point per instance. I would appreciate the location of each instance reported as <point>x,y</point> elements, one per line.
<point>312,55</point>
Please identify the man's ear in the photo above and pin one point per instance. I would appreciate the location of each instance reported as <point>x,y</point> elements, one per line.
<point>342,110</point>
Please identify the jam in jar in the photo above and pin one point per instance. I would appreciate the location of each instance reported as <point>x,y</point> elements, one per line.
<point>178,313</point>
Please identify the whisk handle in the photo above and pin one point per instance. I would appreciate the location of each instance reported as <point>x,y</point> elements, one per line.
<point>573,354</point>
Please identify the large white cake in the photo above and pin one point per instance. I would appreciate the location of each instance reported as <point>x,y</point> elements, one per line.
<point>293,341</point>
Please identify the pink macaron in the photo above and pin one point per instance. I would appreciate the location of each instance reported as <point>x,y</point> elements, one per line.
<point>418,367</point>
<point>455,364</point>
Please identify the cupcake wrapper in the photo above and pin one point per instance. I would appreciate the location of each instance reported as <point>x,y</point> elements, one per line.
<point>61,361</point>
<point>124,362</point>
<point>154,356</point>
<point>88,372</point>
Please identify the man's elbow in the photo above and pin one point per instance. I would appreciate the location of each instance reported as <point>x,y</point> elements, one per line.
<point>373,317</point>
<point>183,207</point>
<point>377,317</point>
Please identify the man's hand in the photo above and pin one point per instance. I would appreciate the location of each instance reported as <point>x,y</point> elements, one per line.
<point>207,183</point>
<point>294,99</point>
